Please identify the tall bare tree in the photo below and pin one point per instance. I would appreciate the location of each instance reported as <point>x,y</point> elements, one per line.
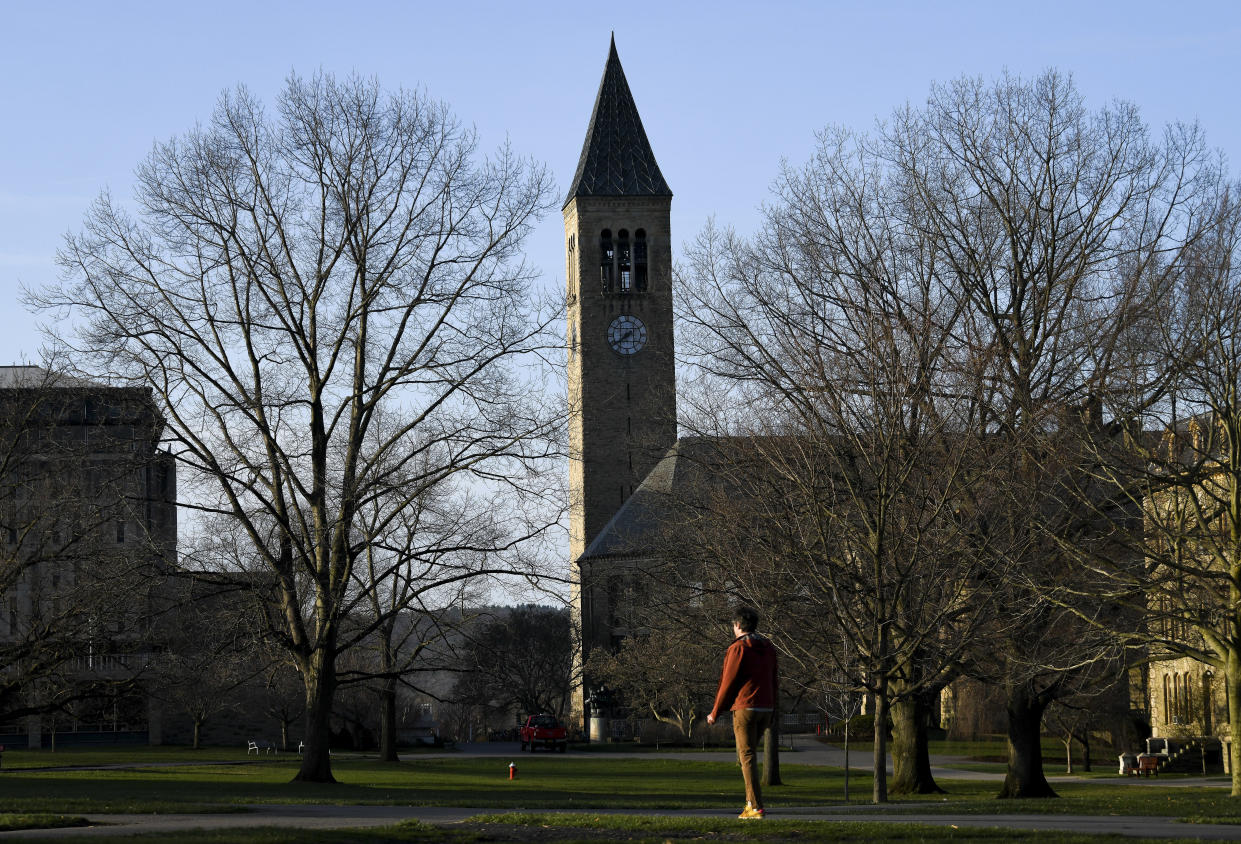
<point>518,660</point>
<point>663,674</point>
<point>833,330</point>
<point>321,299</point>
<point>414,571</point>
<point>1172,456</point>
<point>1042,215</point>
<point>924,316</point>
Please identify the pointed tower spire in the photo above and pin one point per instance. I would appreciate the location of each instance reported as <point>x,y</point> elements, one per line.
<point>616,158</point>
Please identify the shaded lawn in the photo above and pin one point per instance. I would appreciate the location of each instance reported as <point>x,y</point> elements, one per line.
<point>775,830</point>
<point>543,782</point>
<point>995,750</point>
<point>556,782</point>
<point>129,755</point>
<point>589,828</point>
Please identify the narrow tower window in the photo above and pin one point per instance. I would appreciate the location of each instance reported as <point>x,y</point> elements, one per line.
<point>626,276</point>
<point>639,260</point>
<point>606,256</point>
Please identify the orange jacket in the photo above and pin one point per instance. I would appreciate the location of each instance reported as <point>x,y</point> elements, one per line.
<point>749,679</point>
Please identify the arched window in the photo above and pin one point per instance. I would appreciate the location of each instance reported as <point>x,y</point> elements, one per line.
<point>1174,712</point>
<point>607,256</point>
<point>1208,700</point>
<point>1167,701</point>
<point>639,260</point>
<point>623,261</point>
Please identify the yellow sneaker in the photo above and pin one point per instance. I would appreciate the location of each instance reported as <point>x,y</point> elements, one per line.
<point>749,813</point>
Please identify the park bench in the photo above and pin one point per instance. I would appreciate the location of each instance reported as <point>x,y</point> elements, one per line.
<point>1148,765</point>
<point>257,747</point>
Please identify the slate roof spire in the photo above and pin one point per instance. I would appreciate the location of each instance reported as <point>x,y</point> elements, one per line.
<point>616,158</point>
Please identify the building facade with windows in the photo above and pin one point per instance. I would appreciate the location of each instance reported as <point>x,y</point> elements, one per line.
<point>88,531</point>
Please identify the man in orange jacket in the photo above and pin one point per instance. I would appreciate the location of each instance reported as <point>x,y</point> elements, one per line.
<point>748,687</point>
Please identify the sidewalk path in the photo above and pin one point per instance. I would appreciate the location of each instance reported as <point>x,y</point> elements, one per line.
<point>337,817</point>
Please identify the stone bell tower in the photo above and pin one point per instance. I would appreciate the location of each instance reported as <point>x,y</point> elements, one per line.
<point>618,268</point>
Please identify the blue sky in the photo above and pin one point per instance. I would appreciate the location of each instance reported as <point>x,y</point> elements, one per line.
<point>726,89</point>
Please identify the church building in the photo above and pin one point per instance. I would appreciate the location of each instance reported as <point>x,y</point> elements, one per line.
<point>618,271</point>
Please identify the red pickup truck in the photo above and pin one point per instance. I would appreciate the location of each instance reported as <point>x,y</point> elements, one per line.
<point>543,731</point>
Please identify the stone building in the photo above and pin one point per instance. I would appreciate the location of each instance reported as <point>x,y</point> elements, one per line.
<point>1191,540</point>
<point>87,529</point>
<point>618,271</point>
<point>627,465</point>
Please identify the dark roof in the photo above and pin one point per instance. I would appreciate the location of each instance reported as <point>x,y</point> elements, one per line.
<point>679,473</point>
<point>616,158</point>
<point>31,377</point>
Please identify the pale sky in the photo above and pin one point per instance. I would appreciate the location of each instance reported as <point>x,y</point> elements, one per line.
<point>725,89</point>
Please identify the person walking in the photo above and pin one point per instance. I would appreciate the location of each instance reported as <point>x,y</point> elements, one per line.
<point>748,685</point>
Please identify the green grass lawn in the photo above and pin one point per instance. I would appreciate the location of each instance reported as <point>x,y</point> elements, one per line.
<point>560,828</point>
<point>10,822</point>
<point>127,755</point>
<point>655,829</point>
<point>544,782</point>
<point>995,750</point>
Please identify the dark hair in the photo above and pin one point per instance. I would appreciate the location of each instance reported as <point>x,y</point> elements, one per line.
<point>746,618</point>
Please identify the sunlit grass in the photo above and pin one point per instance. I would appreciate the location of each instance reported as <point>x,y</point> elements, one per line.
<point>649,830</point>
<point>11,821</point>
<point>551,781</point>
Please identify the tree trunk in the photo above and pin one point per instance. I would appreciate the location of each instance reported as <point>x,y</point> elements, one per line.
<point>1232,677</point>
<point>387,721</point>
<point>911,756</point>
<point>197,731</point>
<point>771,751</point>
<point>846,759</point>
<point>1084,738</point>
<point>1068,754</point>
<point>1025,749</point>
<point>320,681</point>
<point>880,792</point>
<point>284,734</point>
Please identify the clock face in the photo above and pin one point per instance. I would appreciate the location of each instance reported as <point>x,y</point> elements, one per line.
<point>627,335</point>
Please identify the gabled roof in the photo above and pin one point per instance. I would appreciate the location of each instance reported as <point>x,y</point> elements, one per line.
<point>677,478</point>
<point>688,484</point>
<point>28,376</point>
<point>616,158</point>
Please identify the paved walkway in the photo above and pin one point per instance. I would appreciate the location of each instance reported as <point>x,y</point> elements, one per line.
<point>337,817</point>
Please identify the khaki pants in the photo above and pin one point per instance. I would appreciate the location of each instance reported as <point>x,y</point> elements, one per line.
<point>748,728</point>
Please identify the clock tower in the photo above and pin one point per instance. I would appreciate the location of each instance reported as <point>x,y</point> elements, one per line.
<point>618,269</point>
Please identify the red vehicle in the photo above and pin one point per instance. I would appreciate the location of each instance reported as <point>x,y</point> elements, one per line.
<point>543,731</point>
